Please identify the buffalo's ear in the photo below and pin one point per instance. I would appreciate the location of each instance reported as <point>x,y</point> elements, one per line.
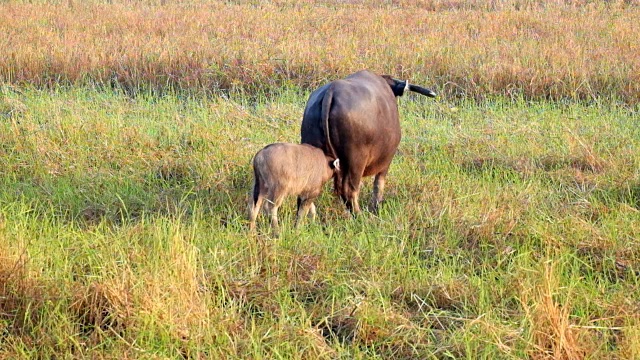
<point>398,87</point>
<point>389,80</point>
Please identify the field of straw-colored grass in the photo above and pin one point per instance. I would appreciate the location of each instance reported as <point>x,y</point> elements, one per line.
<point>512,212</point>
<point>468,49</point>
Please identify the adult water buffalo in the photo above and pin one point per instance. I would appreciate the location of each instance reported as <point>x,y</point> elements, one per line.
<point>356,121</point>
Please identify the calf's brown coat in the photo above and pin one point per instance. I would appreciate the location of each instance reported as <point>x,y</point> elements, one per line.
<point>282,170</point>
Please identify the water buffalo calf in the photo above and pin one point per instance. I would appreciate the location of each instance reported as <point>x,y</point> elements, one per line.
<point>284,169</point>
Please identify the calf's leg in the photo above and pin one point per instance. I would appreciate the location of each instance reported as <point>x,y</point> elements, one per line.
<point>274,201</point>
<point>304,205</point>
<point>312,211</point>
<point>255,204</point>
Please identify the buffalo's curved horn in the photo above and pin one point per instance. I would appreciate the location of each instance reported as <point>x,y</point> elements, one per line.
<point>421,90</point>
<point>400,87</point>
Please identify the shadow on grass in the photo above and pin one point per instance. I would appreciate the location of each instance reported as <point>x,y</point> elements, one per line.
<point>625,193</point>
<point>619,263</point>
<point>170,191</point>
<point>524,166</point>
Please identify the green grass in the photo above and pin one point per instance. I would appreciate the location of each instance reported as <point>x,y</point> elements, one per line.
<point>509,230</point>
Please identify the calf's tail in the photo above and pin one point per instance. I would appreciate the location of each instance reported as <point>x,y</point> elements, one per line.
<point>256,186</point>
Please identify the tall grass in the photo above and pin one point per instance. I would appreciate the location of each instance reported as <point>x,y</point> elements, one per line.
<point>509,231</point>
<point>465,49</point>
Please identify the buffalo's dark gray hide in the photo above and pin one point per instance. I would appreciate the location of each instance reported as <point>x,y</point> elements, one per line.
<point>356,120</point>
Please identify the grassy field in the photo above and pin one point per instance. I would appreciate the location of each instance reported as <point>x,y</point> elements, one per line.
<point>509,231</point>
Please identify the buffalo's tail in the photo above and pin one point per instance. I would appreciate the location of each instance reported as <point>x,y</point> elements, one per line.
<point>326,109</point>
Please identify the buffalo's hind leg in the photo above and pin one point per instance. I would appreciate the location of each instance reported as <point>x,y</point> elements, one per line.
<point>337,183</point>
<point>378,190</point>
<point>351,190</point>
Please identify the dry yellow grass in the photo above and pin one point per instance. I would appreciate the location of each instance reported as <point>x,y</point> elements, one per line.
<point>535,49</point>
